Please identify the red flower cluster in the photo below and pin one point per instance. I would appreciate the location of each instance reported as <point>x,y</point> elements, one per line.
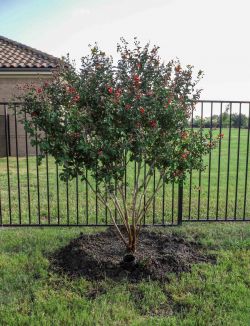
<point>118,92</point>
<point>136,80</point>
<point>127,107</point>
<point>110,90</point>
<point>185,155</point>
<point>76,98</point>
<point>220,135</point>
<point>70,89</point>
<point>142,110</point>
<point>153,123</point>
<point>39,90</point>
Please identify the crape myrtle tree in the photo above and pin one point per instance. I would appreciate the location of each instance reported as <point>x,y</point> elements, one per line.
<point>106,115</point>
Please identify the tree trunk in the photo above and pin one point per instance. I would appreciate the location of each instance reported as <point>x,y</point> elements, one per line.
<point>129,259</point>
<point>132,240</point>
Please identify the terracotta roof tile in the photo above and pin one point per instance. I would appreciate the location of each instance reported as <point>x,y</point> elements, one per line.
<point>14,55</point>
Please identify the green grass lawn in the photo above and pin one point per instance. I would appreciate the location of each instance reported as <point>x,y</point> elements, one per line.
<point>91,211</point>
<point>32,294</point>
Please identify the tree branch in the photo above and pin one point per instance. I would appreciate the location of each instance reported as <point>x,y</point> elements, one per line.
<point>158,187</point>
<point>105,203</point>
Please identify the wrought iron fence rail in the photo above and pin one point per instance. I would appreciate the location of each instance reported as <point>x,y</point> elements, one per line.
<point>31,195</point>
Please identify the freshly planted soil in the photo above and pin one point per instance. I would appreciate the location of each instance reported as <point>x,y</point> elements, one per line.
<point>99,256</point>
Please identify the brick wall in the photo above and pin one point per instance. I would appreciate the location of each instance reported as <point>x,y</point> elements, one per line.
<point>8,90</point>
<point>2,136</point>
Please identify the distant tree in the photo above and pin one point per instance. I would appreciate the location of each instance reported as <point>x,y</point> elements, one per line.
<point>236,120</point>
<point>205,122</point>
<point>196,122</point>
<point>225,119</point>
<point>239,120</point>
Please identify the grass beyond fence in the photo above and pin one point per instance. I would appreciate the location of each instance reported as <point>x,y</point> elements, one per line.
<point>74,202</point>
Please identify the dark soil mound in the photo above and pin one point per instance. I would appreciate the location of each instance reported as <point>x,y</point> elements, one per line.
<point>100,255</point>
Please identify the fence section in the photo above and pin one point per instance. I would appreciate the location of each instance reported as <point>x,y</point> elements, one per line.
<point>221,192</point>
<point>34,195</point>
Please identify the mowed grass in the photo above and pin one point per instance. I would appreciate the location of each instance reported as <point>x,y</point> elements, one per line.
<point>31,293</point>
<point>75,202</point>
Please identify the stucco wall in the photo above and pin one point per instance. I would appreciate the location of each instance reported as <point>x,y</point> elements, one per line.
<point>9,88</point>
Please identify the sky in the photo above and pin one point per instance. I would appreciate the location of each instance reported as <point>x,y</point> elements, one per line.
<point>212,35</point>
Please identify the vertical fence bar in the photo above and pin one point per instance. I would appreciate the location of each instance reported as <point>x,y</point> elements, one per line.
<point>228,161</point>
<point>125,175</point>
<point>38,184</point>
<point>7,145</point>
<point>96,199</point>
<point>87,198</point>
<point>154,198</point>
<point>144,194</point>
<point>191,175</point>
<point>9,149</point>
<point>67,201</point>
<point>199,190</point>
<point>48,190</point>
<point>219,163</point>
<point>172,217</point>
<point>116,196</point>
<point>96,205</point>
<point>77,201</point>
<point>57,195</point>
<point>27,169</point>
<point>134,173</point>
<point>106,209</point>
<point>180,202</point>
<point>247,160</point>
<point>237,166</point>
<point>1,211</point>
<point>209,164</point>
<point>163,203</point>
<point>18,169</point>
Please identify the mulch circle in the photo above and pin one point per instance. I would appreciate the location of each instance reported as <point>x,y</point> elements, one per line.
<point>99,256</point>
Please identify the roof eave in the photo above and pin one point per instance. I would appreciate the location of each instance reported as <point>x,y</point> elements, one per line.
<point>21,45</point>
<point>25,70</point>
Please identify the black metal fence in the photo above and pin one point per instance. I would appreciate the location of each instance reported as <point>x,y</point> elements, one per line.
<point>33,195</point>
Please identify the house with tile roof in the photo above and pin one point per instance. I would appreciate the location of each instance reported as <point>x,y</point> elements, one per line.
<point>19,65</point>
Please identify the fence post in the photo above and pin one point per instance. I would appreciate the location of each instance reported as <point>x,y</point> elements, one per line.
<point>1,216</point>
<point>180,202</point>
